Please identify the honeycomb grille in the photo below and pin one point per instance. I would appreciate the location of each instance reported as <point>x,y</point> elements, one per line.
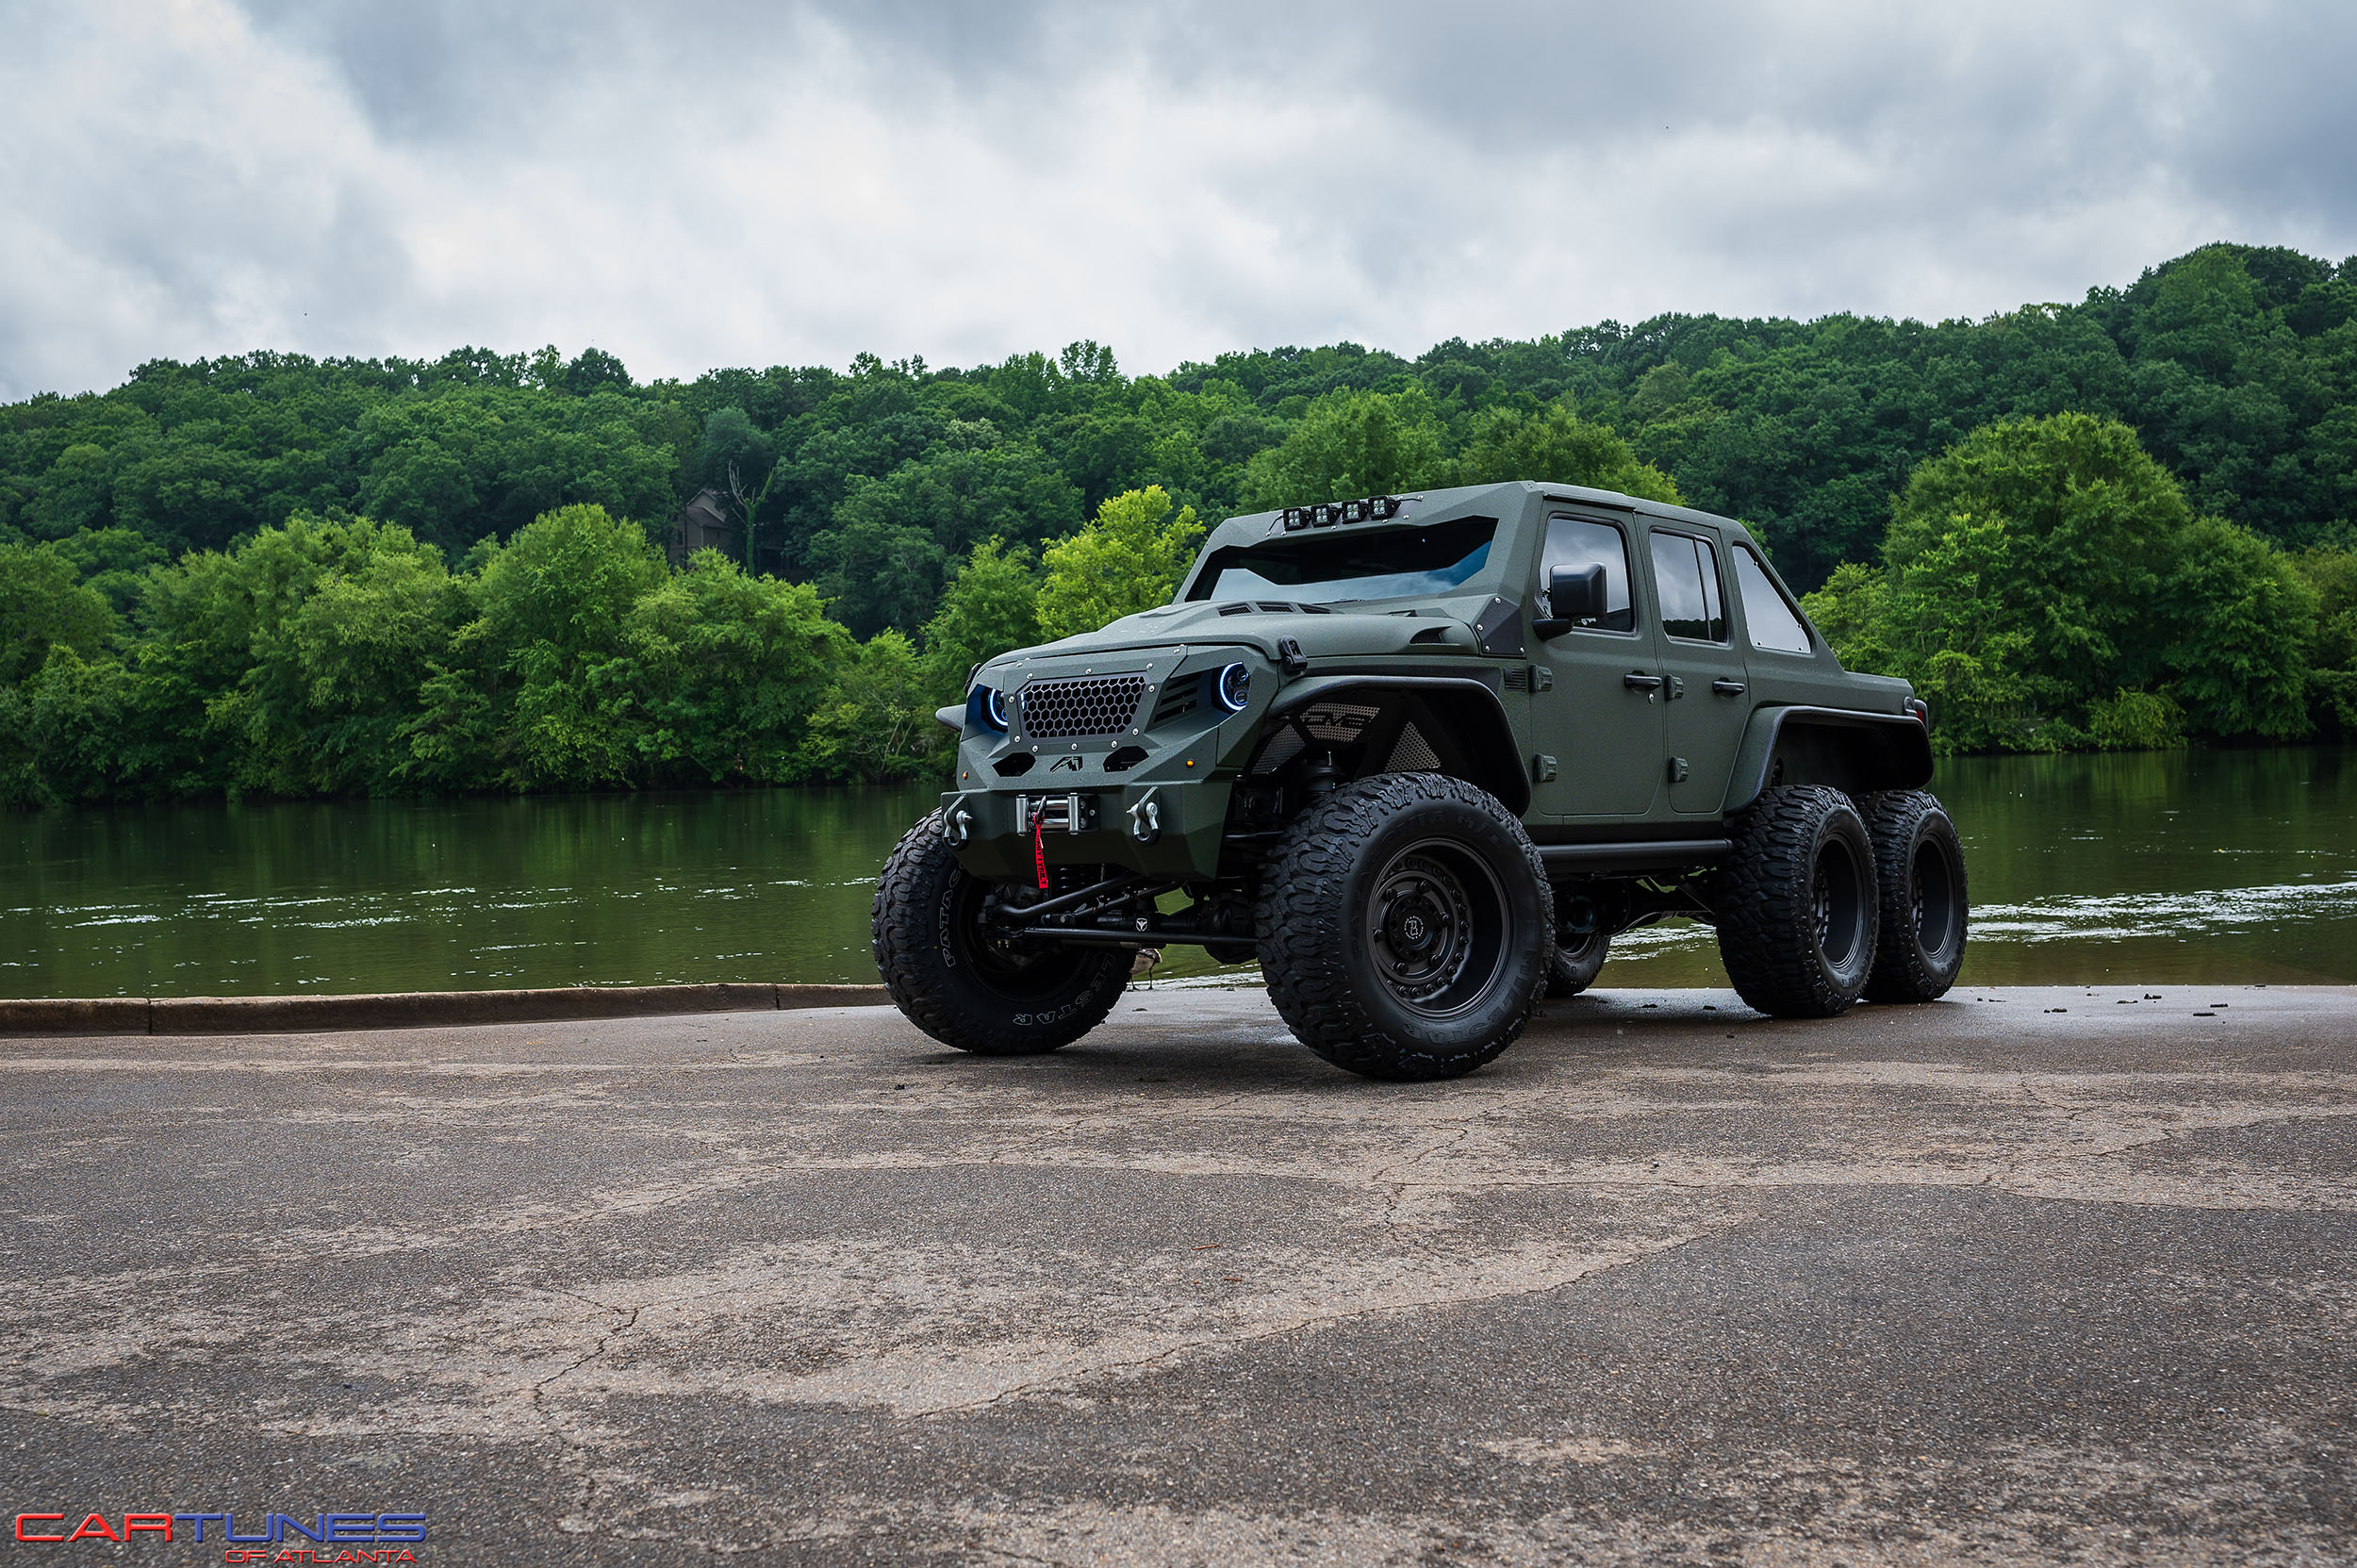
<point>1058,710</point>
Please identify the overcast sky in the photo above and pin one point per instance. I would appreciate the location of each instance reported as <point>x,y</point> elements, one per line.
<point>750,184</point>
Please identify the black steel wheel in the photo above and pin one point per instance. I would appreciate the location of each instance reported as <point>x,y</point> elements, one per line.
<point>1919,867</point>
<point>1797,903</point>
<point>1405,927</point>
<point>955,977</point>
<point>1438,921</point>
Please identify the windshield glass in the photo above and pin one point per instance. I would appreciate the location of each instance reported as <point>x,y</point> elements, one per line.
<point>1335,566</point>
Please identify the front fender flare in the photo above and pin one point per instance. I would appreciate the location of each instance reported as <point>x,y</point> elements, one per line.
<point>1470,708</point>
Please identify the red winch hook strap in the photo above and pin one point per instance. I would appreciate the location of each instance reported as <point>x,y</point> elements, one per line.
<point>1039,852</point>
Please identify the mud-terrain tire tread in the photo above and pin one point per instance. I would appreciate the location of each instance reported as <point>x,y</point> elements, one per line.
<point>1301,915</point>
<point>1893,818</point>
<point>903,934</point>
<point>1761,897</point>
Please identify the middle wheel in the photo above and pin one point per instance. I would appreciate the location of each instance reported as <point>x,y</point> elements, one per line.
<point>1405,927</point>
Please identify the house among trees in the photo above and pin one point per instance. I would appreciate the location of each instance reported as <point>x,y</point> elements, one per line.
<point>703,523</point>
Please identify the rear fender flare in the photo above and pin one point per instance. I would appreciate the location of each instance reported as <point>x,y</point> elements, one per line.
<point>1856,753</point>
<point>1464,711</point>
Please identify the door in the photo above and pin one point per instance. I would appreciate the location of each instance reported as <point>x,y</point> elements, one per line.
<point>1704,707</point>
<point>1600,713</point>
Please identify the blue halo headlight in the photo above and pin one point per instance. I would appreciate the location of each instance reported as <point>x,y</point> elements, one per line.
<point>987,707</point>
<point>1232,685</point>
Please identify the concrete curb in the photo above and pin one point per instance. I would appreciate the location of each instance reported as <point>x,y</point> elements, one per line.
<point>409,1009</point>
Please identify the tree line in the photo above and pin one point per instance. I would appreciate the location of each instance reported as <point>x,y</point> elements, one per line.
<point>343,657</point>
<point>197,549</point>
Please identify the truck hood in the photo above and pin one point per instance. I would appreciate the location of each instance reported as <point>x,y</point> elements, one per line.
<point>1259,625</point>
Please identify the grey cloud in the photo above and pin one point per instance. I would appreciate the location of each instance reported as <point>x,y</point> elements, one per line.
<point>735,182</point>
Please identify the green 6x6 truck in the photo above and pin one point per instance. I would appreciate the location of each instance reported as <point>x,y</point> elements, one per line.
<point>1423,756</point>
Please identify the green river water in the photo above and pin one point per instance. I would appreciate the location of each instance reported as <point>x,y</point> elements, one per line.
<point>2162,867</point>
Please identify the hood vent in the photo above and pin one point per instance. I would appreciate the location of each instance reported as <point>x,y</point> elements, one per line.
<point>1276,606</point>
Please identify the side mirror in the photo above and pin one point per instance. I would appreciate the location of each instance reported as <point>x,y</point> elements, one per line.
<point>1573,594</point>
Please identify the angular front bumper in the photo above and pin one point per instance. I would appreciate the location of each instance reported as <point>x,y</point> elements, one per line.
<point>1153,797</point>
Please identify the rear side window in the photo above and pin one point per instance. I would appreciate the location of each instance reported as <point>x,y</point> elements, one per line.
<point>1769,618</point>
<point>1685,577</point>
<point>1579,542</point>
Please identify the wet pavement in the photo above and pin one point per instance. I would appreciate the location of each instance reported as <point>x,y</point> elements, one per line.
<point>1670,1283</point>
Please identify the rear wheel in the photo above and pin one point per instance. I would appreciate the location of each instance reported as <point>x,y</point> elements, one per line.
<point>1919,868</point>
<point>1796,904</point>
<point>963,983</point>
<point>1405,927</point>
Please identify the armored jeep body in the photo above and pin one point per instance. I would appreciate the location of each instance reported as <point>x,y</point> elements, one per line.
<point>1423,756</point>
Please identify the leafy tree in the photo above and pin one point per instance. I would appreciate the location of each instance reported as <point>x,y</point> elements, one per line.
<point>727,668</point>
<point>875,723</point>
<point>877,574</point>
<point>2080,527</point>
<point>1130,558</point>
<point>2046,585</point>
<point>991,606</point>
<point>77,723</point>
<point>1945,626</point>
<point>2238,618</point>
<point>1351,444</point>
<point>77,493</point>
<point>423,483</point>
<point>1555,445</point>
<point>359,648</point>
<point>44,607</point>
<point>112,561</point>
<point>534,696</point>
<point>2331,576</point>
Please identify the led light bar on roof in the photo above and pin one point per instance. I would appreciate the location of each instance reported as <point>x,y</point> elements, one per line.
<point>1375,508</point>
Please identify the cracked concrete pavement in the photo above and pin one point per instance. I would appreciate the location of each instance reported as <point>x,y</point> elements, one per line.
<point>2027,1274</point>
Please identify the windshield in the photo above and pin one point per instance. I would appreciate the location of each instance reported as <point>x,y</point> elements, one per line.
<point>1334,567</point>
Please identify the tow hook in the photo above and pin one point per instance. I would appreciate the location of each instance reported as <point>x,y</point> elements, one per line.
<point>1146,818</point>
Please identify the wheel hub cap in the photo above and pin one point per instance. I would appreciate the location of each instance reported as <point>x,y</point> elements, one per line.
<point>1423,927</point>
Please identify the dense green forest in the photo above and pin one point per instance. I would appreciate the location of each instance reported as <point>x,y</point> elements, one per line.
<point>270,574</point>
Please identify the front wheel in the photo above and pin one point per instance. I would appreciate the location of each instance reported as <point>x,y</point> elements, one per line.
<point>1406,928</point>
<point>966,986</point>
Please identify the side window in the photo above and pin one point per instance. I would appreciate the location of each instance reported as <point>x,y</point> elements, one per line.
<point>1579,542</point>
<point>1686,579</point>
<point>1714,596</point>
<point>1769,618</point>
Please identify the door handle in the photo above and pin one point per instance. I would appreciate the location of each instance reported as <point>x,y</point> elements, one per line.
<point>1638,681</point>
<point>1727,688</point>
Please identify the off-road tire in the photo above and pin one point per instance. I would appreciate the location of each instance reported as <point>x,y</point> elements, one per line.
<point>1367,874</point>
<point>1576,964</point>
<point>949,981</point>
<point>1797,947</point>
<point>1918,869</point>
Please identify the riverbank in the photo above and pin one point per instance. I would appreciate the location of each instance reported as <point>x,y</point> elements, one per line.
<point>409,1009</point>
<point>2024,1275</point>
